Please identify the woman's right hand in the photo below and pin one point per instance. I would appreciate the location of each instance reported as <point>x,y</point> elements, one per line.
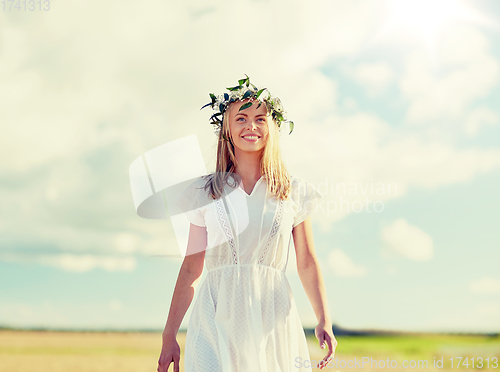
<point>189,274</point>
<point>170,352</point>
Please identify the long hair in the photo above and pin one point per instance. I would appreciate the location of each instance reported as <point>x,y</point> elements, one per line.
<point>272,166</point>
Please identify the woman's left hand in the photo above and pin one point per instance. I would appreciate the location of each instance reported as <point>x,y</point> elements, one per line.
<point>324,334</point>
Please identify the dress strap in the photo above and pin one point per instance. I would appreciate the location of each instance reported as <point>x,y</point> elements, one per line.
<point>274,229</point>
<point>226,226</point>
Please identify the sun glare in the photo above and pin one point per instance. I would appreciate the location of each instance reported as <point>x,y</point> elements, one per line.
<point>423,19</point>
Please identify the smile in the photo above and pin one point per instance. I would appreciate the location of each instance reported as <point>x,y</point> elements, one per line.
<point>251,138</point>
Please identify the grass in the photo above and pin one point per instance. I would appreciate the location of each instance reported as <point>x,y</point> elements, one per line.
<point>428,347</point>
<point>57,351</point>
<point>80,351</point>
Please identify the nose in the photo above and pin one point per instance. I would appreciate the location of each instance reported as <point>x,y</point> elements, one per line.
<point>252,125</point>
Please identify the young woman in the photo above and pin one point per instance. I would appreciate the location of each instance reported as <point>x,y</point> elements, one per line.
<point>242,218</point>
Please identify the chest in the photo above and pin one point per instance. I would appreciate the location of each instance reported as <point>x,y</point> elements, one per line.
<point>237,215</point>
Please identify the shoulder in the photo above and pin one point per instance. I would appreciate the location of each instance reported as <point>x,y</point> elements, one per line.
<point>294,180</point>
<point>297,188</point>
<point>299,184</point>
<point>303,189</point>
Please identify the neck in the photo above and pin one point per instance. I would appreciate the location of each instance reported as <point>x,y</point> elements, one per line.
<point>248,165</point>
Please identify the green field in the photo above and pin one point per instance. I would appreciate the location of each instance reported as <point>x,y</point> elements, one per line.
<point>53,351</point>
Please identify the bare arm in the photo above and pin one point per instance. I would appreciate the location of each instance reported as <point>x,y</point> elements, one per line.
<point>310,275</point>
<point>189,275</point>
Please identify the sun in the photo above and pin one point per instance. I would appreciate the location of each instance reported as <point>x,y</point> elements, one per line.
<point>423,20</point>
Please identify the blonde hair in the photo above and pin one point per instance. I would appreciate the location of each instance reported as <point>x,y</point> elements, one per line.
<point>272,166</point>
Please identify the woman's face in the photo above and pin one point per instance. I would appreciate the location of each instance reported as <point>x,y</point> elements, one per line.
<point>248,128</point>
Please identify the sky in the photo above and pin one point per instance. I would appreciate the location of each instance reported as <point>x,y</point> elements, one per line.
<point>396,115</point>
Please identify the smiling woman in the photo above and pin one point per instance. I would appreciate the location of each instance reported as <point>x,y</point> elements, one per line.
<point>245,318</point>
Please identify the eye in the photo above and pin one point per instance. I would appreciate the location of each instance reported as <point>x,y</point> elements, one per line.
<point>240,118</point>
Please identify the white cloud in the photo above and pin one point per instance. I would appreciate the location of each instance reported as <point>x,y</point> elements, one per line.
<point>409,241</point>
<point>327,29</point>
<point>350,103</point>
<point>374,77</point>
<point>82,263</point>
<point>482,317</point>
<point>485,285</point>
<point>391,270</point>
<point>84,94</point>
<point>310,94</point>
<point>337,260</point>
<point>22,314</point>
<point>466,73</point>
<point>479,118</point>
<point>343,266</point>
<point>126,242</point>
<point>363,149</point>
<point>76,111</point>
<point>74,262</point>
<point>489,309</point>
<point>115,305</point>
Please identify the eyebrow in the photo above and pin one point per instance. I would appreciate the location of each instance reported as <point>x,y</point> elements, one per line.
<point>241,113</point>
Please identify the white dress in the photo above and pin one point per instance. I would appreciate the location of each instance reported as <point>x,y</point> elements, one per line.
<point>244,318</point>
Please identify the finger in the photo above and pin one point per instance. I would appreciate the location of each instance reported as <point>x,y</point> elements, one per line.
<point>324,362</point>
<point>321,340</point>
<point>329,342</point>
<point>165,367</point>
<point>328,359</point>
<point>176,365</point>
<point>329,355</point>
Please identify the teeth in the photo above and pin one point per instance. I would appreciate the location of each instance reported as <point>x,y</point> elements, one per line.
<point>252,137</point>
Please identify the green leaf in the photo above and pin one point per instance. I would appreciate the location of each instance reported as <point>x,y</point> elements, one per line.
<point>226,96</point>
<point>253,86</point>
<point>235,88</point>
<point>247,94</point>
<point>291,127</point>
<point>242,81</point>
<point>248,81</point>
<point>260,92</point>
<point>260,103</point>
<point>245,106</point>
<point>221,107</point>
<point>208,104</point>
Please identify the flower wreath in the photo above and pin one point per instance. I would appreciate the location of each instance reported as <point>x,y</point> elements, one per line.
<point>246,90</point>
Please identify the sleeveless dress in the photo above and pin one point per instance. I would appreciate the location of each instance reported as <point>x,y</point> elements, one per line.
<point>244,318</point>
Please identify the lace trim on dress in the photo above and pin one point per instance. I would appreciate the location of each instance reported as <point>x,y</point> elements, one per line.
<point>274,230</point>
<point>227,229</point>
